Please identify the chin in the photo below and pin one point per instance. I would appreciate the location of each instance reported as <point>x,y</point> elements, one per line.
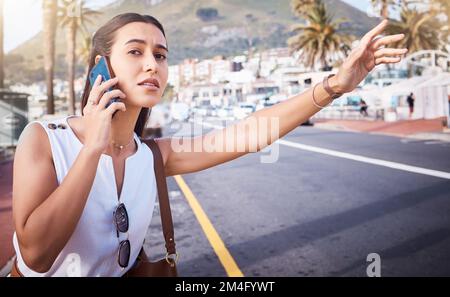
<point>149,101</point>
<point>145,99</point>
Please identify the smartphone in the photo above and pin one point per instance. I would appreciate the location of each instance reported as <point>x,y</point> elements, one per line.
<point>104,69</point>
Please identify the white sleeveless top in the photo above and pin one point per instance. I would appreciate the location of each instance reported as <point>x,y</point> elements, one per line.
<point>92,250</point>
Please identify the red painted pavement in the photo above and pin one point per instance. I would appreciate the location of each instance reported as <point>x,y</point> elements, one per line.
<point>6,222</point>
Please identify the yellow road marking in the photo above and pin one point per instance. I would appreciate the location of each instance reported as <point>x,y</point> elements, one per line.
<point>216,242</point>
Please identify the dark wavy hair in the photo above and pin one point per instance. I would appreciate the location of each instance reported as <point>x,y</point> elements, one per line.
<point>102,42</point>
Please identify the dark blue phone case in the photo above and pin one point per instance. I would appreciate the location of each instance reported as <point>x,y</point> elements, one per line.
<point>101,68</point>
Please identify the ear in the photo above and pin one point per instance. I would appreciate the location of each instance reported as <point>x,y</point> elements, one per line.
<point>97,58</point>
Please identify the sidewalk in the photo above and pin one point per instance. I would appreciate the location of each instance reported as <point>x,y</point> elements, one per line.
<point>416,129</point>
<point>6,222</point>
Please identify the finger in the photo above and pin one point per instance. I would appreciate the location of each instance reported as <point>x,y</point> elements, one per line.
<point>97,81</point>
<point>116,106</point>
<point>110,95</point>
<point>386,40</point>
<point>390,52</point>
<point>94,95</point>
<point>89,107</point>
<point>104,86</point>
<point>387,60</point>
<point>86,110</point>
<point>374,32</point>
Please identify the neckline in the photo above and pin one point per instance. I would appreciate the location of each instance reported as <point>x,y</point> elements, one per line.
<point>136,138</point>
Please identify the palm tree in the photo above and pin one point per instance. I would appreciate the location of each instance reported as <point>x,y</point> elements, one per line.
<point>73,15</point>
<point>320,38</point>
<point>421,29</point>
<point>249,18</point>
<point>445,8</point>
<point>85,49</point>
<point>384,12</point>
<point>442,7</point>
<point>49,28</point>
<point>397,4</point>
<point>300,7</point>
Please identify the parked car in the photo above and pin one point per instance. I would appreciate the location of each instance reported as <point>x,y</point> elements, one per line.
<point>308,122</point>
<point>200,111</point>
<point>225,112</point>
<point>159,118</point>
<point>265,103</point>
<point>212,111</point>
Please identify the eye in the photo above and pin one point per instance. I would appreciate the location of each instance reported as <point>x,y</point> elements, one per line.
<point>135,52</point>
<point>160,57</point>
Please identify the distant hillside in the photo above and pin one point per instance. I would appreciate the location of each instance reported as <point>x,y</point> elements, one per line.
<point>194,28</point>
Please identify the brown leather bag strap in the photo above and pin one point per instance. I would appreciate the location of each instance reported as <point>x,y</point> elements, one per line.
<point>15,270</point>
<point>164,204</point>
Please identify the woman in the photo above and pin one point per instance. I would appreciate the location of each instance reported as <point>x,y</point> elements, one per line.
<point>78,169</point>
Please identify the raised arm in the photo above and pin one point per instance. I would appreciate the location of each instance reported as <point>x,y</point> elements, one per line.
<point>184,155</point>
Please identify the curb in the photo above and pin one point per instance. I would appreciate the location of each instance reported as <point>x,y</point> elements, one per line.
<point>444,136</point>
<point>431,136</point>
<point>334,127</point>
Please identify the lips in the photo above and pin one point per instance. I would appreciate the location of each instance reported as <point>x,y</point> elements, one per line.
<point>150,83</point>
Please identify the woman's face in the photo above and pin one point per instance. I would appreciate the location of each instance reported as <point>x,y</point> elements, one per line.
<point>139,60</point>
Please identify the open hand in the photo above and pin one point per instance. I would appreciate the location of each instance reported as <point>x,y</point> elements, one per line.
<point>370,52</point>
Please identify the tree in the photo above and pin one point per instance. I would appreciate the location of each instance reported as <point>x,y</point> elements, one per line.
<point>207,14</point>
<point>249,18</point>
<point>84,50</point>
<point>73,15</point>
<point>421,29</point>
<point>384,11</point>
<point>49,30</point>
<point>301,7</point>
<point>442,7</point>
<point>320,38</point>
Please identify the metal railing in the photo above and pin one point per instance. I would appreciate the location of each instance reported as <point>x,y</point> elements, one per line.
<point>13,119</point>
<point>350,112</point>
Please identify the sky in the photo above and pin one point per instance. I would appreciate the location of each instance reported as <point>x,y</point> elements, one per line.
<point>16,12</point>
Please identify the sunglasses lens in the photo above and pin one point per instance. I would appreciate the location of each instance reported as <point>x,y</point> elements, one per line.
<point>124,253</point>
<point>121,218</point>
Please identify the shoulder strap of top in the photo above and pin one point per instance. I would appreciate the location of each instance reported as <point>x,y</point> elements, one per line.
<point>164,204</point>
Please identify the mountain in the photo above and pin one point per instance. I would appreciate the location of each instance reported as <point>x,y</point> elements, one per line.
<point>194,28</point>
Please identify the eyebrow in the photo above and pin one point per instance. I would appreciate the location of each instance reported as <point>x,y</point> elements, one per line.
<point>141,41</point>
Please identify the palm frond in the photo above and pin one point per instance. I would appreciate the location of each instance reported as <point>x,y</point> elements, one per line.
<point>320,38</point>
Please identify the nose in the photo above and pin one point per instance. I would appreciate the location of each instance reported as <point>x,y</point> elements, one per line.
<point>151,65</point>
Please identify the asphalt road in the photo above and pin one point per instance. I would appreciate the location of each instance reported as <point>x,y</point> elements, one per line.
<point>316,214</point>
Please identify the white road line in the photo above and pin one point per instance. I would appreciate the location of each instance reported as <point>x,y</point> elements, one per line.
<point>373,161</point>
<point>410,140</point>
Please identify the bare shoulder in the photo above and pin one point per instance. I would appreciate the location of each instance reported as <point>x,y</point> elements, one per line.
<point>34,175</point>
<point>33,141</point>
